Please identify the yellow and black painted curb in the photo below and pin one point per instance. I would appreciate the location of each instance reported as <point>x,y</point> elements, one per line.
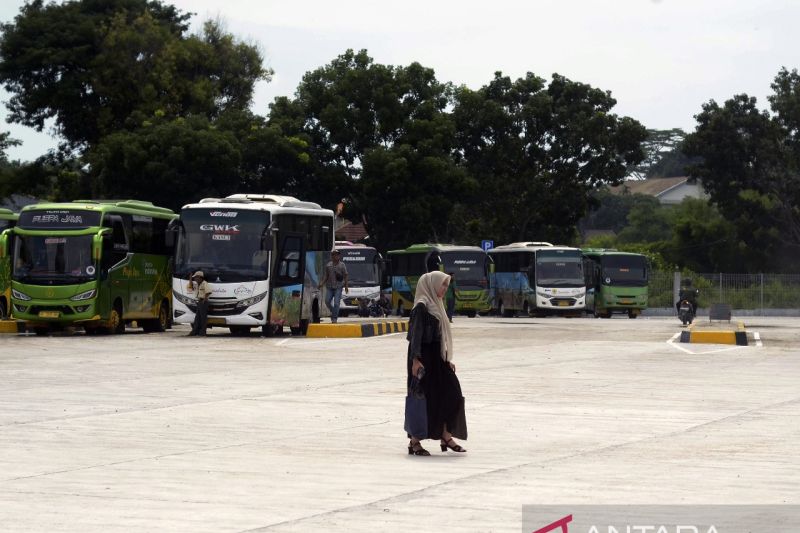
<point>706,336</point>
<point>357,329</point>
<point>12,326</point>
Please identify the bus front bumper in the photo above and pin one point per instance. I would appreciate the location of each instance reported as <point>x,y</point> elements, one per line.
<point>54,311</point>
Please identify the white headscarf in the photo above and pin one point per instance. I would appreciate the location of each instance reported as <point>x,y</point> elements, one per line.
<point>427,286</point>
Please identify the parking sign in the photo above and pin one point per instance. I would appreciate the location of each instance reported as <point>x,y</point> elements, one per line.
<point>487,245</point>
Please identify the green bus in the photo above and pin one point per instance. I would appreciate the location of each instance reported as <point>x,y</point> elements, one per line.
<point>7,220</point>
<point>98,264</point>
<point>470,264</point>
<point>616,282</point>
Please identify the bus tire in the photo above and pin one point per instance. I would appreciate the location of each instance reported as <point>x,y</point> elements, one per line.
<point>606,314</point>
<point>503,312</point>
<point>632,313</point>
<point>3,309</point>
<point>159,324</point>
<point>296,331</point>
<point>269,330</point>
<point>116,325</point>
<point>471,314</point>
<point>526,309</point>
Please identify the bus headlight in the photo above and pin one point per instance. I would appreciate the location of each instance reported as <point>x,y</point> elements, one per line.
<point>19,295</point>
<point>543,294</point>
<point>251,301</point>
<point>84,295</point>
<point>185,300</point>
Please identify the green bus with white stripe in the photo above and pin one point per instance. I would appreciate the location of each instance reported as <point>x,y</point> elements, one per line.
<point>7,220</point>
<point>97,264</point>
<point>470,264</point>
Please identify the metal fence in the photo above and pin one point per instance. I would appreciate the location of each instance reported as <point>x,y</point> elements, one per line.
<point>756,294</point>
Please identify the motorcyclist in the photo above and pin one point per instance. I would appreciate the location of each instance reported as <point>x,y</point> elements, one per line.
<point>688,293</point>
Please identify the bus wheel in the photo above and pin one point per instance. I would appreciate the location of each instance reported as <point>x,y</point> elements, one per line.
<point>503,312</point>
<point>632,313</point>
<point>471,314</point>
<point>115,323</point>
<point>607,314</point>
<point>296,331</point>
<point>3,309</point>
<point>159,324</point>
<point>526,309</point>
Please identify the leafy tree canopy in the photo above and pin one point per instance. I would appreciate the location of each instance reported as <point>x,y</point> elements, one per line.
<point>750,168</point>
<point>99,66</point>
<point>536,150</point>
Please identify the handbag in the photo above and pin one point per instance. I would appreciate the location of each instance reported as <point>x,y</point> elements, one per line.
<point>416,423</point>
<point>459,423</point>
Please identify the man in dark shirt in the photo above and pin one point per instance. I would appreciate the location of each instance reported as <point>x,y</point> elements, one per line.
<point>334,279</point>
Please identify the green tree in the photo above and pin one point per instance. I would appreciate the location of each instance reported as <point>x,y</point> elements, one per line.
<point>97,67</point>
<point>378,136</point>
<point>657,146</point>
<point>169,163</point>
<point>750,162</point>
<point>537,150</point>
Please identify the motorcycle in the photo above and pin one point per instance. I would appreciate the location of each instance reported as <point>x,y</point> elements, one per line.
<point>686,312</point>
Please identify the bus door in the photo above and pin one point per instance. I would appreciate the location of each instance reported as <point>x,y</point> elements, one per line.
<point>288,273</point>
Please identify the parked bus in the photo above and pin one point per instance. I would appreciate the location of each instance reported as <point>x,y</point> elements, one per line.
<point>364,267</point>
<point>470,264</point>
<point>537,278</point>
<point>98,264</point>
<point>262,255</point>
<point>7,220</point>
<point>616,282</point>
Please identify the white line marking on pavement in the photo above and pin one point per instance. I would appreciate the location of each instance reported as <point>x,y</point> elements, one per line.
<point>301,342</point>
<point>757,337</point>
<point>281,343</point>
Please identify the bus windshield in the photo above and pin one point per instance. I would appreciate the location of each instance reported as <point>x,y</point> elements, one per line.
<point>630,270</point>
<point>559,268</point>
<point>362,267</point>
<point>224,243</point>
<point>469,269</point>
<point>57,260</point>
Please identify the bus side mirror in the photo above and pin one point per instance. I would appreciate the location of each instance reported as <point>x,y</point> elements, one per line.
<point>170,235</point>
<point>4,240</point>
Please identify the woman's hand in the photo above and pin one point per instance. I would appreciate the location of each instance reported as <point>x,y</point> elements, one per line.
<point>452,367</point>
<point>415,366</point>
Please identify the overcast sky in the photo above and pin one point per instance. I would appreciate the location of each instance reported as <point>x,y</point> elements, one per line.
<point>661,59</point>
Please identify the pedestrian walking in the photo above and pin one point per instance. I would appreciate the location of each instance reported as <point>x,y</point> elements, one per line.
<point>202,292</point>
<point>334,279</point>
<point>430,365</point>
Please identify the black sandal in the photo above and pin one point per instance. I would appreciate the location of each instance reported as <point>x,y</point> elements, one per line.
<point>417,449</point>
<point>445,444</point>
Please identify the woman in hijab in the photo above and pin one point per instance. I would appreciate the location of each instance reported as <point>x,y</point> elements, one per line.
<point>430,347</point>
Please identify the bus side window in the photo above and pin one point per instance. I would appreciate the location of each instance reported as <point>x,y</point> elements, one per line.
<point>289,266</point>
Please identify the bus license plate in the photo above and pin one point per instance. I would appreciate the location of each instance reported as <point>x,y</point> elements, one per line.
<point>563,304</point>
<point>49,314</point>
<point>626,302</point>
<point>216,322</point>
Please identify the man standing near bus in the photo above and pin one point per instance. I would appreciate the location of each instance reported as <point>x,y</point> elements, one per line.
<point>202,293</point>
<point>334,279</point>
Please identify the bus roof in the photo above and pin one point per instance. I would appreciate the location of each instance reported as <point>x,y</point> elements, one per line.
<point>529,247</point>
<point>418,248</point>
<point>128,206</point>
<point>606,251</point>
<point>8,214</point>
<point>261,202</point>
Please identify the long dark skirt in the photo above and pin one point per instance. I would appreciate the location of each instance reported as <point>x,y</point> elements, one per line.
<point>442,392</point>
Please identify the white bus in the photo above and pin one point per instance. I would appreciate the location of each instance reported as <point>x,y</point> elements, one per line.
<point>364,267</point>
<point>261,254</point>
<point>537,278</point>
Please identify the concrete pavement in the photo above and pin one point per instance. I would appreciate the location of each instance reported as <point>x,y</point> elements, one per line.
<point>159,432</point>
